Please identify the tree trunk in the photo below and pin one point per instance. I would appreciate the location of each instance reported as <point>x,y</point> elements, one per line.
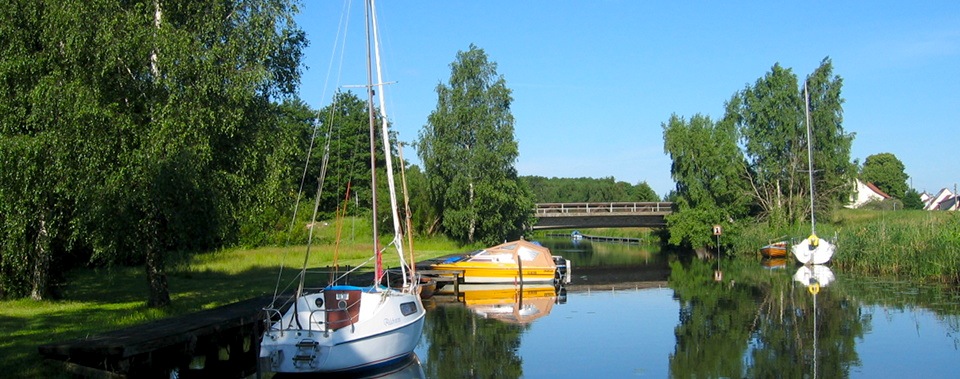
<point>41,266</point>
<point>473,216</point>
<point>156,279</point>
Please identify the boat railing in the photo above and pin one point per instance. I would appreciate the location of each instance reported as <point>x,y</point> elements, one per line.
<point>310,320</point>
<point>268,315</point>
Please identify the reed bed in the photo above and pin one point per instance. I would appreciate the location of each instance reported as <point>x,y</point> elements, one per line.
<point>905,244</point>
<point>916,245</point>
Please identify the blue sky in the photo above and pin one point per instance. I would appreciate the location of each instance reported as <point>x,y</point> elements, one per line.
<point>593,81</point>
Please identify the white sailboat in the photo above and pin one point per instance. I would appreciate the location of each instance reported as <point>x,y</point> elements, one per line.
<point>344,328</point>
<point>812,250</point>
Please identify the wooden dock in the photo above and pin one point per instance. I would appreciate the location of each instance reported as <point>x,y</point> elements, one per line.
<point>611,239</point>
<point>442,277</point>
<point>601,238</point>
<point>222,342</point>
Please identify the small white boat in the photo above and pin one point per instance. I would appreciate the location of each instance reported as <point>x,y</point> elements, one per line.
<point>344,328</point>
<point>813,250</point>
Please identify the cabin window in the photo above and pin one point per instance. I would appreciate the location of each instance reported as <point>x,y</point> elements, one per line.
<point>527,254</point>
<point>408,308</point>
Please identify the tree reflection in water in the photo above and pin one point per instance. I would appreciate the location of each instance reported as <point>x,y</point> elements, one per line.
<point>465,345</point>
<point>759,324</point>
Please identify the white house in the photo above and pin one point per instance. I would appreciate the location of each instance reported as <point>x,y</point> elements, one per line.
<point>865,193</point>
<point>950,204</point>
<point>941,200</point>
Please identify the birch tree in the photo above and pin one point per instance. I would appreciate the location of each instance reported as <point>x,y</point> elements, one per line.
<point>153,125</point>
<point>468,152</point>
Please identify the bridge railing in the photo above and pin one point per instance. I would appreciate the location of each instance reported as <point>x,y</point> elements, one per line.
<point>602,208</point>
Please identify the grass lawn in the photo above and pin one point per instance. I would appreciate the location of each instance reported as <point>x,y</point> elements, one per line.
<point>98,300</point>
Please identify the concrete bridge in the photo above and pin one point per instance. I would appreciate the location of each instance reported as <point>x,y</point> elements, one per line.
<point>601,215</point>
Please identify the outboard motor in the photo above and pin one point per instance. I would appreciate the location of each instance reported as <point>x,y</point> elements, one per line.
<point>563,274</point>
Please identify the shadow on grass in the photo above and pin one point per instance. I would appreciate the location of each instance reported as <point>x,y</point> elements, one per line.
<point>100,300</point>
<point>97,301</point>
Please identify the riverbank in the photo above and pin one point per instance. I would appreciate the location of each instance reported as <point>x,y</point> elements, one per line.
<point>98,300</point>
<point>908,245</point>
<point>911,245</point>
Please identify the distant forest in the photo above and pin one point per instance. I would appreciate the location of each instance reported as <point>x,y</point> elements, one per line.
<point>578,190</point>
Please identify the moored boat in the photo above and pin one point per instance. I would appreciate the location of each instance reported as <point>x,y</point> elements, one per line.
<point>346,328</point>
<point>774,250</point>
<point>812,250</point>
<point>514,262</point>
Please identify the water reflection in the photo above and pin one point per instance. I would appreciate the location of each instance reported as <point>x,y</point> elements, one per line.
<point>405,368</point>
<point>814,276</point>
<point>797,322</point>
<point>515,305</point>
<point>462,344</point>
<point>763,324</point>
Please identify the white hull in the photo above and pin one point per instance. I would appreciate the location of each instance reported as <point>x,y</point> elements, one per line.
<point>817,255</point>
<point>381,333</point>
<point>815,274</point>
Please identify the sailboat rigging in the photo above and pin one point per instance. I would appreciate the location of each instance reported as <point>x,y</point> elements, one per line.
<point>344,327</point>
<point>812,250</point>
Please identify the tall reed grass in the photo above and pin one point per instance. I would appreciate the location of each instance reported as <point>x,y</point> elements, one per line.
<point>919,245</point>
<point>906,244</point>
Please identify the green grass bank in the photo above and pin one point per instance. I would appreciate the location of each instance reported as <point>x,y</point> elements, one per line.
<point>98,300</point>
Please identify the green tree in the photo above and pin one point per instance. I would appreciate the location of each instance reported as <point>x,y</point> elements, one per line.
<point>771,117</point>
<point>643,192</point>
<point>834,170</point>
<point>468,152</point>
<point>911,200</point>
<point>155,125</point>
<point>348,123</point>
<point>755,160</point>
<point>577,190</point>
<point>886,172</point>
<point>772,125</point>
<point>707,167</point>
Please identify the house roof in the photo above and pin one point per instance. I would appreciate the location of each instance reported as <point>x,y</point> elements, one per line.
<point>878,191</point>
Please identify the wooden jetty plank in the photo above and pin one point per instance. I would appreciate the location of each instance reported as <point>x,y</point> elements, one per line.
<point>444,276</point>
<point>611,239</point>
<point>150,336</point>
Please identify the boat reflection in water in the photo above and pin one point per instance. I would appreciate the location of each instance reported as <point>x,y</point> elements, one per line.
<point>814,277</point>
<point>774,263</point>
<point>520,304</point>
<point>818,275</point>
<point>409,367</point>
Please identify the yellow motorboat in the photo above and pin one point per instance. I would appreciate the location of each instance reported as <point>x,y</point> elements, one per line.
<point>513,262</point>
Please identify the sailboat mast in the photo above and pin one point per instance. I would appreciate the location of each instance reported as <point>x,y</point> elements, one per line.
<point>385,136</point>
<point>806,108</point>
<point>378,274</point>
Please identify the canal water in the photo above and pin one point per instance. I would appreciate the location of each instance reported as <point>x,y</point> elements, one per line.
<point>621,317</point>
